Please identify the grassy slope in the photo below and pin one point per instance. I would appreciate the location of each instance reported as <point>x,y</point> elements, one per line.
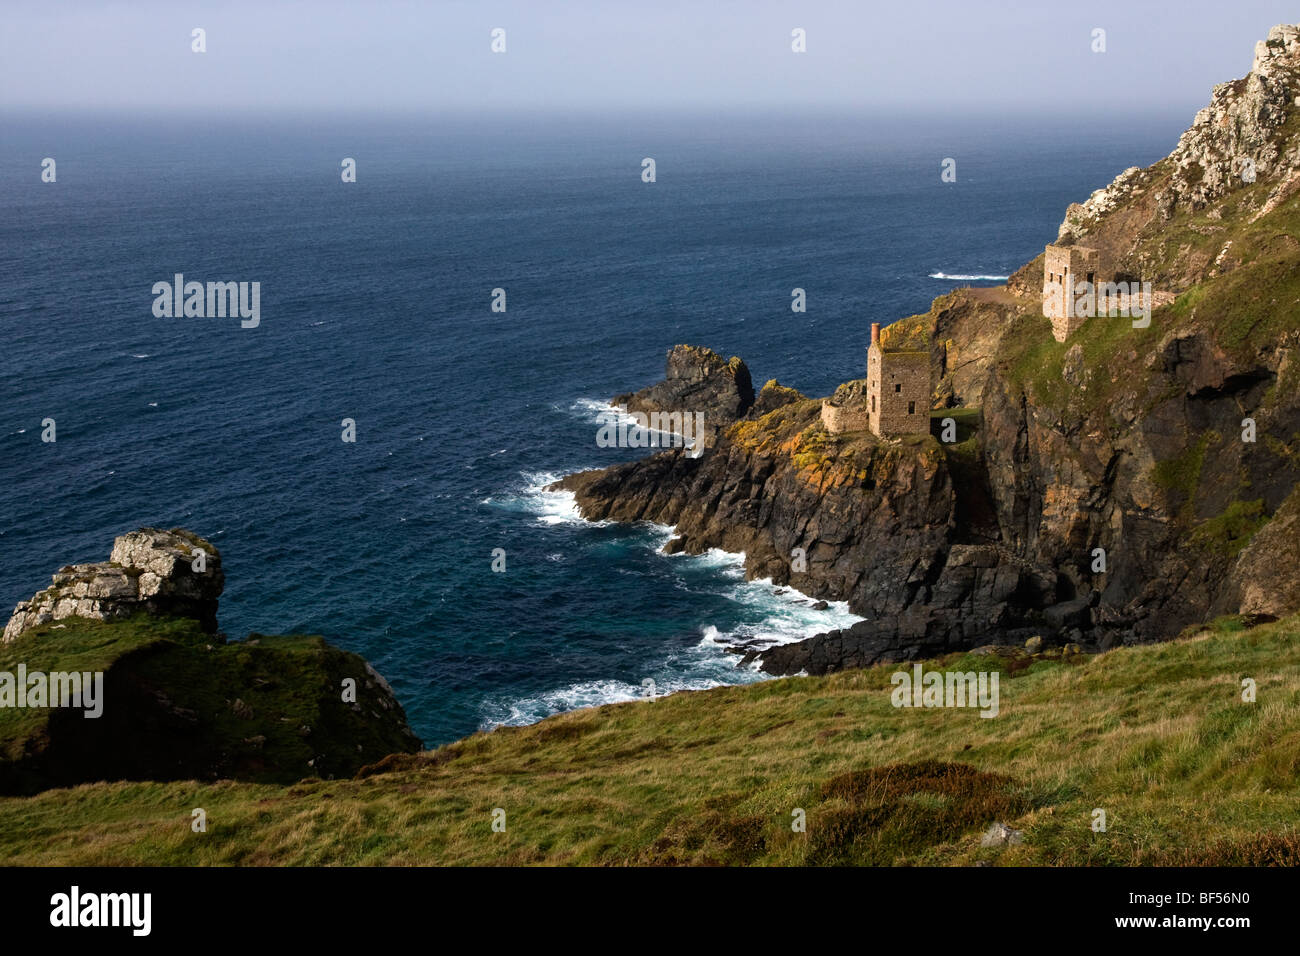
<point>87,646</point>
<point>1243,310</point>
<point>1157,736</point>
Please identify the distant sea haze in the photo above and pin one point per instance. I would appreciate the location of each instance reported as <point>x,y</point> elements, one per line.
<point>375,307</point>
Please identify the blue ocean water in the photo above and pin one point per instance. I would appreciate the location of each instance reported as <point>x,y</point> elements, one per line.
<point>375,306</point>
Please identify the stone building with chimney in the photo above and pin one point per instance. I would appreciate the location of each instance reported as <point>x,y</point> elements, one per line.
<point>893,400</point>
<point>898,389</point>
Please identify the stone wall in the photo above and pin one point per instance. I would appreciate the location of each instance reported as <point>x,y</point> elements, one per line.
<point>844,418</point>
<point>846,410</point>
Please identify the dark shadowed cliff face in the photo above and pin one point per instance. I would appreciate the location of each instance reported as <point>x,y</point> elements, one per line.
<point>849,517</point>
<point>1153,471</point>
<point>771,487</point>
<point>1119,486</point>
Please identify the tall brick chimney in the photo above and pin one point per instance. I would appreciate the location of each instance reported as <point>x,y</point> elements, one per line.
<point>875,334</point>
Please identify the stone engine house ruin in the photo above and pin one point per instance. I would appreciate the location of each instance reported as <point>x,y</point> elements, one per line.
<point>1064,267</point>
<point>894,399</point>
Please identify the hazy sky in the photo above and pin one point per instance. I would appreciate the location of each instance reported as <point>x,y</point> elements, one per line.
<point>372,55</point>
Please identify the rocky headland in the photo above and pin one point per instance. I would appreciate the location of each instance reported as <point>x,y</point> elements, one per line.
<point>1117,487</point>
<point>178,701</point>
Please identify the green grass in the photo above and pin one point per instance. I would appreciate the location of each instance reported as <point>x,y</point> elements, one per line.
<point>1253,303</point>
<point>77,645</point>
<point>967,421</point>
<point>1158,736</point>
<point>1244,309</point>
<point>1226,534</point>
<point>1109,364</point>
<point>1181,476</point>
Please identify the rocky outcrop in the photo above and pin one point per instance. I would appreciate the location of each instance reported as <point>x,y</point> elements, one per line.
<point>772,396</point>
<point>174,573</point>
<point>836,516</point>
<point>878,523</point>
<point>175,700</point>
<point>1238,132</point>
<point>1240,157</point>
<point>1266,577</point>
<point>980,592</point>
<point>965,329</point>
<point>698,380</point>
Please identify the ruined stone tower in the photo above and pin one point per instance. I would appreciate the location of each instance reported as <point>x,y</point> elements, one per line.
<point>1064,267</point>
<point>898,389</point>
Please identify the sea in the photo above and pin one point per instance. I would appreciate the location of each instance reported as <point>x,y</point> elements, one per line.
<point>376,306</point>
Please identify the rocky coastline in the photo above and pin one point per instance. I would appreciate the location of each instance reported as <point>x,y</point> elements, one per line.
<point>1116,488</point>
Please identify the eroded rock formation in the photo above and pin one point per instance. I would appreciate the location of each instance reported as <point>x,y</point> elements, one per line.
<point>149,570</point>
<point>697,380</point>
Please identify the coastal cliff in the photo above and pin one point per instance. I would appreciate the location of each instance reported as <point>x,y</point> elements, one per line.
<point>1117,487</point>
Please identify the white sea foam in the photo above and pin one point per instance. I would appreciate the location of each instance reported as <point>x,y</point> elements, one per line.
<point>596,412</point>
<point>702,669</point>
<point>529,710</point>
<point>776,615</point>
<point>787,615</point>
<point>592,410</point>
<point>731,563</point>
<point>783,617</point>
<point>968,278</point>
<point>550,507</point>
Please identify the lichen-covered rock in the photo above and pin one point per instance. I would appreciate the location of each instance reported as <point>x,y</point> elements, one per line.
<point>847,517</point>
<point>1238,130</point>
<point>999,834</point>
<point>162,572</point>
<point>772,396</point>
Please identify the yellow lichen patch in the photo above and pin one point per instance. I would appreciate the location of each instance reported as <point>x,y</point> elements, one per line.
<point>907,335</point>
<point>822,461</point>
<point>749,435</point>
<point>759,435</point>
